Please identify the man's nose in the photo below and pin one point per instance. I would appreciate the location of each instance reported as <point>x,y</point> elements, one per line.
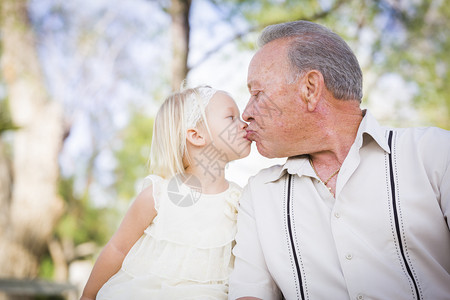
<point>247,113</point>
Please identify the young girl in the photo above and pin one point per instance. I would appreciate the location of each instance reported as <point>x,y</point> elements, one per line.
<point>175,240</point>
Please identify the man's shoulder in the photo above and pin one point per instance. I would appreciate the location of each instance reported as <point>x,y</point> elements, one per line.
<point>429,146</point>
<point>426,136</point>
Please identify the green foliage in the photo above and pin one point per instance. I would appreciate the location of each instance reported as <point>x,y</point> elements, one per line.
<point>271,12</point>
<point>46,267</point>
<point>82,222</point>
<point>266,12</point>
<point>132,157</point>
<point>422,56</point>
<point>5,118</point>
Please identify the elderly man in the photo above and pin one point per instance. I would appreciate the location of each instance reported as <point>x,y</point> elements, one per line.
<point>358,211</point>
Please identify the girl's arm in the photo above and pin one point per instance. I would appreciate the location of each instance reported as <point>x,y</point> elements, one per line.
<point>139,216</point>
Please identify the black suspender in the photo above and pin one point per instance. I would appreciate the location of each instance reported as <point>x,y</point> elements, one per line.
<point>291,238</point>
<point>397,223</point>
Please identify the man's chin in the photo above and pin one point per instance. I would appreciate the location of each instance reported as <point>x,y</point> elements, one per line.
<point>264,152</point>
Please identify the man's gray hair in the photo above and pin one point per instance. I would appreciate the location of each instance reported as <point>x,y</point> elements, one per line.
<point>315,47</point>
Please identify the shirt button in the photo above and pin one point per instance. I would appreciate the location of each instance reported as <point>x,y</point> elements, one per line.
<point>337,215</point>
<point>349,256</point>
<point>360,297</point>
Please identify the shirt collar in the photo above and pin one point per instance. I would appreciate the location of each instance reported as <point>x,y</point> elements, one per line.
<point>293,165</point>
<point>370,126</point>
<point>300,164</point>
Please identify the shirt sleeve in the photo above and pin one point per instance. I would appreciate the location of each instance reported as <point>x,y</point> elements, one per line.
<point>435,147</point>
<point>445,185</point>
<point>250,277</point>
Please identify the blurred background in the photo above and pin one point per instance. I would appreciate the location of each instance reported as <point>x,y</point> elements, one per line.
<point>81,81</point>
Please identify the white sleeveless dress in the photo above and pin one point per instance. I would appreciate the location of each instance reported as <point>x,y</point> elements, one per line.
<point>186,252</point>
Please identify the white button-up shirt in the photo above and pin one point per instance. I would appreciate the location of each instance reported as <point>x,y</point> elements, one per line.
<point>385,235</point>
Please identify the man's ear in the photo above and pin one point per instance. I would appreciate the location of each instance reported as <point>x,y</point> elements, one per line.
<point>311,90</point>
<point>195,137</point>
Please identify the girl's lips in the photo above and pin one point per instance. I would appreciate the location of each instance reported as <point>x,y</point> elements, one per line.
<point>245,137</point>
<point>249,134</point>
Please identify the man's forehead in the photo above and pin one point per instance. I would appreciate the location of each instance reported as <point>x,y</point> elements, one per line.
<point>266,54</point>
<point>263,64</point>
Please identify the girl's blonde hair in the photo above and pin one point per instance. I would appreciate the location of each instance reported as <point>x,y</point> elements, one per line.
<point>174,117</point>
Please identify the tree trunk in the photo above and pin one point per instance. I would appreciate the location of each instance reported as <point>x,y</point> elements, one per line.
<point>5,188</point>
<point>34,207</point>
<point>179,12</point>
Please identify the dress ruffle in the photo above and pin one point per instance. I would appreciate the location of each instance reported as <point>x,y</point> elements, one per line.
<point>205,238</point>
<point>185,253</point>
<point>124,286</point>
<point>209,223</point>
<point>175,261</point>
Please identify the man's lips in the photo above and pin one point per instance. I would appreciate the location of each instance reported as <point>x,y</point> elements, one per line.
<point>249,135</point>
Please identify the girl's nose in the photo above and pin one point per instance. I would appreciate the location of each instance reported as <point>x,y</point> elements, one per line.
<point>243,124</point>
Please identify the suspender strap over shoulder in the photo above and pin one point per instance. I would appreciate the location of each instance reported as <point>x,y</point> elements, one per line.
<point>289,221</point>
<point>396,218</point>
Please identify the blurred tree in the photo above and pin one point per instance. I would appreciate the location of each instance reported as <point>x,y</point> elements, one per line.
<point>180,30</point>
<point>415,44</point>
<point>132,155</point>
<point>80,229</point>
<point>81,46</point>
<point>5,188</point>
<point>33,207</point>
<point>6,123</point>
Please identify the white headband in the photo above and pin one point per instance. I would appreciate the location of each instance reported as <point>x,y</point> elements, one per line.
<point>195,104</point>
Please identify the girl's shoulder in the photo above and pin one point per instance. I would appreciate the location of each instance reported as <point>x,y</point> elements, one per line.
<point>151,180</point>
<point>157,186</point>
